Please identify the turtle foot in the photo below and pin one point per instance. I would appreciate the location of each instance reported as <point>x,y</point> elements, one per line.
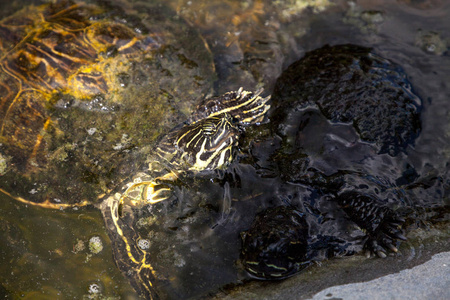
<point>276,245</point>
<point>382,224</point>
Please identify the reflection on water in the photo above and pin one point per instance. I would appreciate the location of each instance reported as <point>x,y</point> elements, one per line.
<point>46,253</point>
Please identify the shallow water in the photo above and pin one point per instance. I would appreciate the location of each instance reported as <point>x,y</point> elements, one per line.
<point>252,42</point>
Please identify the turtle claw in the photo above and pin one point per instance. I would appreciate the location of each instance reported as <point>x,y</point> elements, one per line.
<point>145,192</point>
<point>158,193</point>
<point>385,236</point>
<point>375,248</point>
<point>392,248</point>
<point>400,236</point>
<point>381,254</point>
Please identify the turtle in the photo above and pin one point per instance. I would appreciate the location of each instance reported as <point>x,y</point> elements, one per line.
<point>279,244</point>
<point>205,143</point>
<point>86,90</point>
<point>189,149</point>
<point>86,85</point>
<point>342,120</point>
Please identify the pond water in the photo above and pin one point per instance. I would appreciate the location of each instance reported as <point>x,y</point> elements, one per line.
<point>56,254</point>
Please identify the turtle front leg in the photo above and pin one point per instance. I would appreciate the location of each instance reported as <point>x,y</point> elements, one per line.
<point>382,224</point>
<point>147,190</point>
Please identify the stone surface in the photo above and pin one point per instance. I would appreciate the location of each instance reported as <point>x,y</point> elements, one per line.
<point>430,280</point>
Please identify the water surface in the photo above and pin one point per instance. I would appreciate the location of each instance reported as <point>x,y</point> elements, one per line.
<point>45,253</point>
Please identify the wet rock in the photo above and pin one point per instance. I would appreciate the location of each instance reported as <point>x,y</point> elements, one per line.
<point>95,245</point>
<point>3,165</point>
<point>431,42</point>
<point>367,21</point>
<point>427,281</point>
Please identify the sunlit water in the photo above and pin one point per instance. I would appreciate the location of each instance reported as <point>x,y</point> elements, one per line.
<point>45,254</point>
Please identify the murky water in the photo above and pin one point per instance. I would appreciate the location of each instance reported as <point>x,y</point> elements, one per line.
<point>45,253</point>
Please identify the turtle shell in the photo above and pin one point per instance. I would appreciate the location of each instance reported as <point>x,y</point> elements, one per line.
<point>83,86</point>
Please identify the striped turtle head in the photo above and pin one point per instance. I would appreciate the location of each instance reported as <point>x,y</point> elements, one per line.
<point>205,145</point>
<point>276,244</point>
<point>246,107</point>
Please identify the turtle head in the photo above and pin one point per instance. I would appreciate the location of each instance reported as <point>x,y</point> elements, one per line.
<point>246,107</point>
<point>276,245</point>
<point>208,144</point>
